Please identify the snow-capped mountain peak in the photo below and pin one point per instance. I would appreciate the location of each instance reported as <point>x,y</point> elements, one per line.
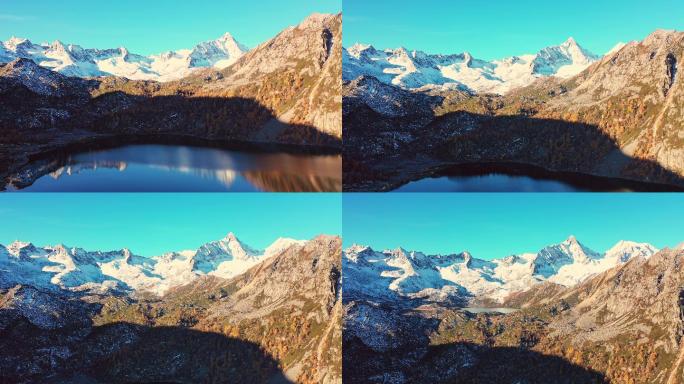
<point>577,251</point>
<point>13,42</point>
<point>357,49</point>
<point>20,249</point>
<point>229,249</point>
<point>551,259</point>
<point>572,48</point>
<point>280,245</point>
<point>236,248</point>
<point>623,250</point>
<point>219,53</point>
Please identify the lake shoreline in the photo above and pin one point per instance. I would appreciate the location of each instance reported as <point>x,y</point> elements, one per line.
<point>32,160</point>
<point>420,169</point>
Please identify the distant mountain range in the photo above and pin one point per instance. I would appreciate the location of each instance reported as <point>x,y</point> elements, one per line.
<point>565,314</point>
<point>463,278</point>
<point>420,70</point>
<point>71,268</point>
<point>73,60</point>
<point>224,312</point>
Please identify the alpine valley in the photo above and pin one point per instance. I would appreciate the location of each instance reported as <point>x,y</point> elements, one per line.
<point>564,314</point>
<point>564,110</point>
<point>224,312</point>
<point>283,95</point>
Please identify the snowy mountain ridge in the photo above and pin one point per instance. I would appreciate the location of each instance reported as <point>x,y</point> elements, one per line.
<point>76,61</point>
<point>61,267</point>
<point>414,274</point>
<point>417,69</point>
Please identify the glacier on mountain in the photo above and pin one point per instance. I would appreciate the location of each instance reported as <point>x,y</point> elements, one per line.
<point>417,69</point>
<point>76,61</point>
<point>61,267</point>
<point>455,277</point>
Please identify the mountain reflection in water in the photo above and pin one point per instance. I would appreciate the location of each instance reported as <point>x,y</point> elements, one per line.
<point>185,168</point>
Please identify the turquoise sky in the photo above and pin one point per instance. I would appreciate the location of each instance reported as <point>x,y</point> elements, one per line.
<point>150,224</point>
<point>498,28</point>
<point>153,26</point>
<point>493,225</point>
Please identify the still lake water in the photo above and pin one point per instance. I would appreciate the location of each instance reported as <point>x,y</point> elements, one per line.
<point>477,310</point>
<point>174,168</point>
<point>523,178</point>
<point>493,182</point>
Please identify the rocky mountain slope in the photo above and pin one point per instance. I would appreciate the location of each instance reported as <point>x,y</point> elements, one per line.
<point>618,118</point>
<point>279,322</point>
<point>416,69</point>
<point>285,91</point>
<point>622,325</point>
<point>74,60</point>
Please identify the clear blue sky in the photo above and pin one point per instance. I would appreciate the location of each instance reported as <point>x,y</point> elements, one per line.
<point>150,224</point>
<point>498,28</point>
<point>153,26</point>
<point>492,225</point>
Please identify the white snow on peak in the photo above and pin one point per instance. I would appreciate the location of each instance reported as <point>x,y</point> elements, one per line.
<point>417,69</point>
<point>13,42</point>
<point>60,267</point>
<point>444,277</point>
<point>73,60</point>
<point>356,49</point>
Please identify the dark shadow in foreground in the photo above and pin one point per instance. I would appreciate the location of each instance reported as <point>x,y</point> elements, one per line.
<point>131,353</point>
<point>460,363</point>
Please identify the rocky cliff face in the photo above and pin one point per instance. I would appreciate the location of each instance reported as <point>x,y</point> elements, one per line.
<point>278,322</point>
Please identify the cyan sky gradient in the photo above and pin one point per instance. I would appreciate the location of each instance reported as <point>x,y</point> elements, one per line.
<point>494,225</point>
<point>498,28</point>
<point>153,26</point>
<point>151,224</point>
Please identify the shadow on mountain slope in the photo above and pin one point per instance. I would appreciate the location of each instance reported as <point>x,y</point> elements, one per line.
<point>383,152</point>
<point>224,119</point>
<point>35,126</point>
<point>461,363</point>
<point>131,353</point>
